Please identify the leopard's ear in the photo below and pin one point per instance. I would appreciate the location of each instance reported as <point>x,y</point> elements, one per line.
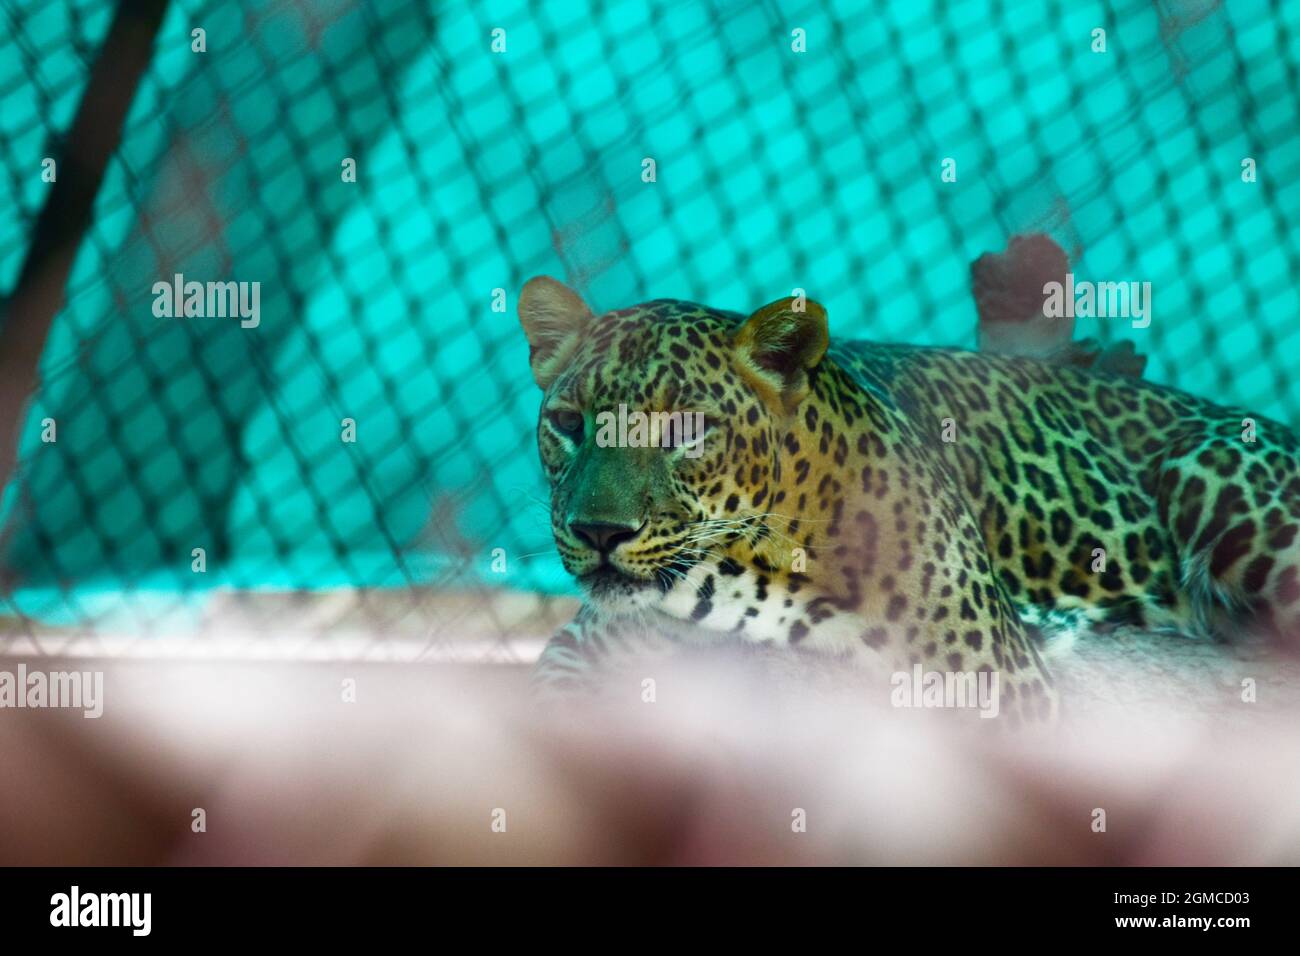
<point>780,344</point>
<point>553,317</point>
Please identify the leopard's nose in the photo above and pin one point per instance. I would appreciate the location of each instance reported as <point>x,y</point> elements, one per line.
<point>605,536</point>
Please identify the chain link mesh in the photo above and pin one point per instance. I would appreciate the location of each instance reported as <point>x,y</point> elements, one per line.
<point>477,169</point>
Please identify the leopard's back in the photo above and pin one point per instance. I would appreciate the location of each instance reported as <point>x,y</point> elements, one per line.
<point>1103,497</point>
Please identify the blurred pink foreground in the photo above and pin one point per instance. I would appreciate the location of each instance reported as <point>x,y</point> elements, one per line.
<point>439,764</point>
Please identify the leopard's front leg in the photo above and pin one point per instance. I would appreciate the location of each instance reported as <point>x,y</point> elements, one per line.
<point>564,667</point>
<point>586,654</point>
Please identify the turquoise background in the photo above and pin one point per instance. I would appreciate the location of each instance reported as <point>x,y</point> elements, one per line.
<point>478,170</point>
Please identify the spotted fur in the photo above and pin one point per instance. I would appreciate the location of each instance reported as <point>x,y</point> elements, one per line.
<point>893,505</point>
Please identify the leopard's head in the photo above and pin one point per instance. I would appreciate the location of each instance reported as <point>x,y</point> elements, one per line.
<point>660,432</point>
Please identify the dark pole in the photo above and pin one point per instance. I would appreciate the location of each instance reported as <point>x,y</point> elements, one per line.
<point>38,296</point>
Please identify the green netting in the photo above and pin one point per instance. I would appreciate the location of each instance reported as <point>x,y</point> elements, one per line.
<point>477,170</point>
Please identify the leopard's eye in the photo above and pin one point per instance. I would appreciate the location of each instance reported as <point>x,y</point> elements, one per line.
<point>567,422</point>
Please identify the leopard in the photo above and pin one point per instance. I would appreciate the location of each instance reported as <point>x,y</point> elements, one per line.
<point>883,507</point>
